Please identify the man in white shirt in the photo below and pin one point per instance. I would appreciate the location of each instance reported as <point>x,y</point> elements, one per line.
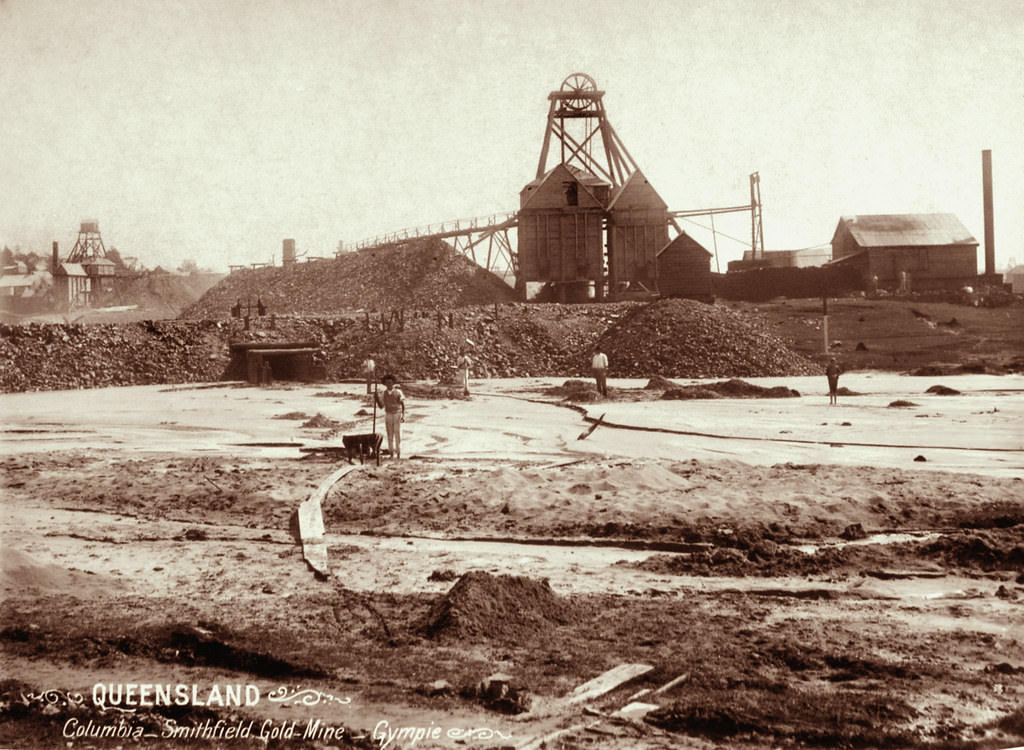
<point>392,401</point>
<point>600,366</point>
<point>463,366</point>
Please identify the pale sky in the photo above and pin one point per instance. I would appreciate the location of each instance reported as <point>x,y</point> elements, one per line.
<point>213,129</point>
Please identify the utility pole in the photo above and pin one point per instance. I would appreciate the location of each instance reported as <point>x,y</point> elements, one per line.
<point>756,226</point>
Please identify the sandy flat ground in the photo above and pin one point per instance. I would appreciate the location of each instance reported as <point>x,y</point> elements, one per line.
<point>980,431</point>
<point>175,504</point>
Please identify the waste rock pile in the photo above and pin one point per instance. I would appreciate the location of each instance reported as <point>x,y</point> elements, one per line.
<point>498,607</point>
<point>48,356</point>
<point>669,338</point>
<point>687,339</point>
<point>419,275</point>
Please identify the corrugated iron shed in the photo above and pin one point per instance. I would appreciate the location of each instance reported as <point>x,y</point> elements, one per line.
<point>906,230</point>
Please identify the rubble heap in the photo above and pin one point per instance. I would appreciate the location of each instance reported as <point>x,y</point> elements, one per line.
<point>418,275</point>
<point>49,357</point>
<point>482,605</point>
<point>671,338</point>
<point>680,338</point>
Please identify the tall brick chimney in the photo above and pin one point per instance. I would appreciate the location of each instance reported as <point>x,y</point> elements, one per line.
<point>986,187</point>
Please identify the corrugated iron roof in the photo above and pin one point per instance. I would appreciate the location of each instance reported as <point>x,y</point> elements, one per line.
<point>901,230</point>
<point>72,269</point>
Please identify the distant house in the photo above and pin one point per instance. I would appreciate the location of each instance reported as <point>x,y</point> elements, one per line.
<point>24,292</point>
<point>72,283</point>
<point>1015,278</point>
<point>913,252</point>
<point>684,269</point>
<point>24,284</point>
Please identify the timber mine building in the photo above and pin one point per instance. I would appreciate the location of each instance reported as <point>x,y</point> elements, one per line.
<point>912,252</point>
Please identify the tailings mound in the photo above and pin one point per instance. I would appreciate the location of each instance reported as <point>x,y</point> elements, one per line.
<point>481,605</point>
<point>683,338</point>
<point>419,275</point>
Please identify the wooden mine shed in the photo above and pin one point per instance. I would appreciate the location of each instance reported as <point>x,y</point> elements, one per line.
<point>933,251</point>
<point>684,270</point>
<point>72,284</point>
<point>561,227</point>
<point>637,231</point>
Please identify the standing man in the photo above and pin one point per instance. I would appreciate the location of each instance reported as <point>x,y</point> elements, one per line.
<point>370,373</point>
<point>832,371</point>
<point>599,364</point>
<point>463,366</point>
<point>392,401</point>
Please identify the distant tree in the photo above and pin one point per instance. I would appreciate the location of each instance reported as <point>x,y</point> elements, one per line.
<point>188,266</point>
<point>32,262</point>
<point>115,256</point>
<point>6,256</point>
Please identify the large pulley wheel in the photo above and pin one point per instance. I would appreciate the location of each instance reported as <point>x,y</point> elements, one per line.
<point>577,90</point>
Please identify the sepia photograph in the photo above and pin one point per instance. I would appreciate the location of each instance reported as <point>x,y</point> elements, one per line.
<point>454,374</point>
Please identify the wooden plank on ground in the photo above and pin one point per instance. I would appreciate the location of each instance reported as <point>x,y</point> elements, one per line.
<point>672,683</point>
<point>586,433</point>
<point>311,523</point>
<point>635,710</point>
<point>605,683</point>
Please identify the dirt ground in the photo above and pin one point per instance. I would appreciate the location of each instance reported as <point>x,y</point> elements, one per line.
<point>786,573</point>
<point>894,333</point>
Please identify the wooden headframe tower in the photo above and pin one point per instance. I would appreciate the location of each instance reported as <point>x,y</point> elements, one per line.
<point>577,120</point>
<point>89,243</point>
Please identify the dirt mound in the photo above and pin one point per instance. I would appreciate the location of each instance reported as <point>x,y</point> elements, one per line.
<point>691,392</point>
<point>943,390</point>
<point>504,607</point>
<point>683,338</point>
<point>319,420</point>
<point>991,550</point>
<point>433,392</point>
<point>658,383</point>
<point>419,275</point>
<point>729,389</point>
<point>21,572</point>
<point>574,390</point>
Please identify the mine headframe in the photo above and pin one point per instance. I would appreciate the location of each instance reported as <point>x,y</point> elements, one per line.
<point>89,243</point>
<point>586,140</point>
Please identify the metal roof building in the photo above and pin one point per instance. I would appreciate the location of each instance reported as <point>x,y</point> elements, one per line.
<point>908,251</point>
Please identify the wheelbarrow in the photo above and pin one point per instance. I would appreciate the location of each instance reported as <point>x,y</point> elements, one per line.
<point>366,445</point>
